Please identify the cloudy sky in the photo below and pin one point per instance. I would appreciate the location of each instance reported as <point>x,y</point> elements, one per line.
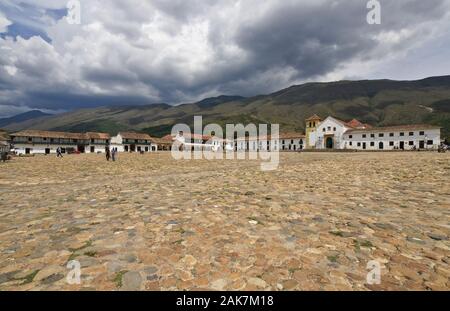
<point>176,51</point>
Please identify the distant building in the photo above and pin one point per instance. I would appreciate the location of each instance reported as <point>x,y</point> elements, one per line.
<point>97,142</point>
<point>133,142</point>
<point>284,142</point>
<point>162,144</point>
<point>46,142</point>
<point>333,133</point>
<point>403,137</point>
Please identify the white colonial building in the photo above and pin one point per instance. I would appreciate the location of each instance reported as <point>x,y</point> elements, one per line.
<point>284,142</point>
<point>406,137</point>
<point>133,142</point>
<point>97,142</point>
<point>333,133</point>
<point>47,142</point>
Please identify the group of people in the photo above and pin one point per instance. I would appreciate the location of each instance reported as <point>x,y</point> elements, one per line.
<point>111,153</point>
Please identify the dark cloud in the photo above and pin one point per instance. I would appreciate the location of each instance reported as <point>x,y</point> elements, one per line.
<point>180,51</point>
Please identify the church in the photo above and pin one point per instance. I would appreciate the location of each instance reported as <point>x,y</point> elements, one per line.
<point>332,133</point>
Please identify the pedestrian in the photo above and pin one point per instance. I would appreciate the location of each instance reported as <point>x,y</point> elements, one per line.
<point>59,152</point>
<point>113,154</point>
<point>108,153</point>
<point>4,156</point>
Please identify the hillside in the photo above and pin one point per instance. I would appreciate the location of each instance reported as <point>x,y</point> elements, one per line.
<point>29,115</point>
<point>378,102</point>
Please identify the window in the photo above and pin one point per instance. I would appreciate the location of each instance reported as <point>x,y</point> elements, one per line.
<point>30,139</point>
<point>411,133</point>
<point>359,144</point>
<point>391,134</point>
<point>430,142</point>
<point>334,129</point>
<point>411,143</point>
<point>292,141</point>
<point>364,136</point>
<point>391,143</point>
<point>314,124</point>
<point>350,143</point>
<point>372,144</point>
<point>323,130</point>
<point>372,135</point>
<point>402,134</point>
<point>351,136</point>
<point>329,128</point>
<point>381,135</point>
<point>422,133</point>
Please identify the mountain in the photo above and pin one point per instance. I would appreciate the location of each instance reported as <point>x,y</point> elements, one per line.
<point>377,102</point>
<point>29,115</point>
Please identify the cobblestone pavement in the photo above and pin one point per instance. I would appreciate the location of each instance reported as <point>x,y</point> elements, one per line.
<point>148,222</point>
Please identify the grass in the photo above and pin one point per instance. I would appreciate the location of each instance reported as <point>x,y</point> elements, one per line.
<point>337,233</point>
<point>118,278</point>
<point>364,243</point>
<point>30,277</point>
<point>333,258</point>
<point>74,250</point>
<point>91,253</point>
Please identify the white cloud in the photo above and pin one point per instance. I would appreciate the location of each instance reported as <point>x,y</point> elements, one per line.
<point>4,23</point>
<point>179,51</point>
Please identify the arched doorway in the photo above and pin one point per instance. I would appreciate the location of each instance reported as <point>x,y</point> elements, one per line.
<point>329,143</point>
<point>381,146</point>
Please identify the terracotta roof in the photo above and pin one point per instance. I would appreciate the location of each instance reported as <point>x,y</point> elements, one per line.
<point>291,135</point>
<point>269,137</point>
<point>93,135</point>
<point>48,134</point>
<point>161,141</point>
<point>189,136</point>
<point>133,135</point>
<point>409,127</point>
<point>313,118</point>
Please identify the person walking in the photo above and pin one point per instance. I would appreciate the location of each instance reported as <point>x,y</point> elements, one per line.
<point>113,154</point>
<point>59,152</point>
<point>108,153</point>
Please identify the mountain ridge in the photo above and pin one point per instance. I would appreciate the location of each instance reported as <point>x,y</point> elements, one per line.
<point>379,102</point>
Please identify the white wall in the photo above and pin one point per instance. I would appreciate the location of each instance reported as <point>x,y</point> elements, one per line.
<point>331,126</point>
<point>357,138</point>
<point>40,149</point>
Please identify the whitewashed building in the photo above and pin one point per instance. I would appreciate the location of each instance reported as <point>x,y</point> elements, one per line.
<point>403,137</point>
<point>97,142</point>
<point>132,142</point>
<point>330,133</point>
<point>333,133</point>
<point>284,142</point>
<point>46,142</point>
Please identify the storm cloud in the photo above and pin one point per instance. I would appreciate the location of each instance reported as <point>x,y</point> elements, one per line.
<point>142,52</point>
